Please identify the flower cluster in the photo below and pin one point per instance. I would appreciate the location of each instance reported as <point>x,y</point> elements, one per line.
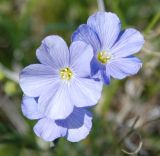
<point>59,91</point>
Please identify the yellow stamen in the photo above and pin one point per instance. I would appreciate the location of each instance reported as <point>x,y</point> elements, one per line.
<point>66,73</point>
<point>103,57</point>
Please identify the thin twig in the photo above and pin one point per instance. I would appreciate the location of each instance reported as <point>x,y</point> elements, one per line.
<point>149,121</point>
<point>9,74</point>
<point>12,112</point>
<point>137,149</point>
<point>131,130</point>
<point>150,52</point>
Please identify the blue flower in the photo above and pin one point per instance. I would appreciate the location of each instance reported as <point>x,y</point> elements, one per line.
<point>75,127</point>
<point>113,48</point>
<point>62,80</point>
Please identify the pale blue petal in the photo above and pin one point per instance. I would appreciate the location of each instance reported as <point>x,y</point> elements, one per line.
<point>77,134</point>
<point>35,78</point>
<point>81,55</point>
<point>107,26</point>
<point>30,108</point>
<point>98,76</point>
<point>98,71</point>
<point>85,92</point>
<point>43,55</point>
<point>130,42</point>
<point>95,66</point>
<point>86,34</point>
<point>48,130</point>
<point>78,123</point>
<point>54,52</point>
<point>56,102</point>
<point>122,67</point>
<point>105,77</point>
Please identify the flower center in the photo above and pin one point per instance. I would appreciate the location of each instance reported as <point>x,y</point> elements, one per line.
<point>66,73</point>
<point>103,57</point>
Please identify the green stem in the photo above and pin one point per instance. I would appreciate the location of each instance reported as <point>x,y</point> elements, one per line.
<point>155,19</point>
<point>101,6</point>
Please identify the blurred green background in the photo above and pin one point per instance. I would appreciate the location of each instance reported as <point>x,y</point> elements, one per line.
<point>24,23</point>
